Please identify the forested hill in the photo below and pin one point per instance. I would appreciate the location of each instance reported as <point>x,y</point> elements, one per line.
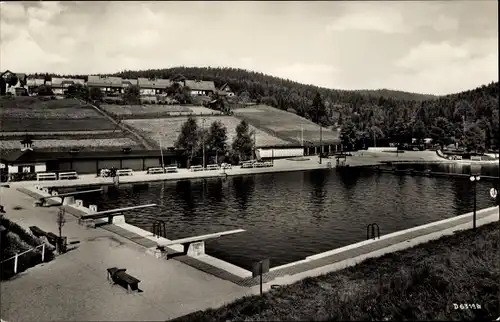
<point>260,85</point>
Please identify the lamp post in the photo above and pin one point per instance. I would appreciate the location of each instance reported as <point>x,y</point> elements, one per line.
<point>474,179</point>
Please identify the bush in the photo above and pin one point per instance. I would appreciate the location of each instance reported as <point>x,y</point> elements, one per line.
<point>22,176</point>
<point>18,240</point>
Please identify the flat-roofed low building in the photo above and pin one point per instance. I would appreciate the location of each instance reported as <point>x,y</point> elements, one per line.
<point>28,160</point>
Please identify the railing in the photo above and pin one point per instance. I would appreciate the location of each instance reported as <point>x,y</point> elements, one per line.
<point>46,176</point>
<point>372,235</point>
<point>16,257</point>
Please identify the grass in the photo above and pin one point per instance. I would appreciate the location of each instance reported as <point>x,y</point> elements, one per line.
<point>168,129</point>
<point>32,114</point>
<point>420,283</point>
<point>284,124</point>
<point>155,111</point>
<point>67,135</point>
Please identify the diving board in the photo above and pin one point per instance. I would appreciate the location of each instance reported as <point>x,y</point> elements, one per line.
<point>195,246</point>
<point>42,200</point>
<point>112,213</point>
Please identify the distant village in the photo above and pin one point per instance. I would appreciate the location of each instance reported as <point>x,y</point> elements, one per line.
<point>19,84</point>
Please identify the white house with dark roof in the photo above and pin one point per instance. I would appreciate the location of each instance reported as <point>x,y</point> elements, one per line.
<point>18,89</point>
<point>198,87</point>
<point>148,87</point>
<point>225,90</point>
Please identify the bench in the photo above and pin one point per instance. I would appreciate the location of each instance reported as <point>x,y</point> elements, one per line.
<point>124,172</point>
<point>118,275</point>
<point>46,176</point>
<point>37,231</point>
<point>68,175</point>
<point>171,169</point>
<point>212,167</point>
<point>246,165</point>
<point>156,170</point>
<point>226,166</point>
<point>196,168</point>
<point>258,165</point>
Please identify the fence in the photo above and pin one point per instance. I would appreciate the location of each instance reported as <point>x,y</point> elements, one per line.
<point>16,257</point>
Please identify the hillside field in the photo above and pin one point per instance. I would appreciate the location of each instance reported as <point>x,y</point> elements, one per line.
<point>285,125</point>
<point>155,111</point>
<point>168,129</point>
<point>58,125</point>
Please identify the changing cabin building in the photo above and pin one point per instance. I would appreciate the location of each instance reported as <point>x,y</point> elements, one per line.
<point>28,160</point>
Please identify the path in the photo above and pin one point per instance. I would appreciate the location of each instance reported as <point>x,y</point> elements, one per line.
<point>74,286</point>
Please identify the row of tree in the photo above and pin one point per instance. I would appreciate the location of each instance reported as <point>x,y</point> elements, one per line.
<point>198,141</point>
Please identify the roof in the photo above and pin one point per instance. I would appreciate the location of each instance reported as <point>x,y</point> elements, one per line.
<point>35,81</point>
<point>129,82</point>
<point>30,156</point>
<point>154,83</point>
<point>58,81</point>
<point>225,88</point>
<point>104,81</point>
<point>200,85</point>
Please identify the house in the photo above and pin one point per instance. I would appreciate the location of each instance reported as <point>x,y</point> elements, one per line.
<point>35,82</point>
<point>60,85</point>
<point>15,83</point>
<point>149,87</point>
<point>200,87</point>
<point>107,84</point>
<point>225,90</point>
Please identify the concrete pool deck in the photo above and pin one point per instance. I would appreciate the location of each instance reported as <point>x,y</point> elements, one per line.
<point>74,287</point>
<point>243,277</point>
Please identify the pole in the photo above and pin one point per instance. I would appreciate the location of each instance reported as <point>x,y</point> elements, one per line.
<point>161,152</point>
<point>254,143</point>
<point>474,214</point>
<point>15,264</point>
<point>203,140</point>
<point>43,252</point>
<point>320,142</point>
<point>260,271</point>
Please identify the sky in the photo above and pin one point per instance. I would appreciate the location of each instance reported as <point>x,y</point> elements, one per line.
<point>430,47</point>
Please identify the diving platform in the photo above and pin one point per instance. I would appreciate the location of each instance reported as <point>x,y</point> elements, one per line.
<point>194,246</point>
<point>43,201</point>
<point>110,214</point>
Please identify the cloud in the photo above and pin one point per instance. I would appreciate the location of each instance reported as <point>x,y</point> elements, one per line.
<point>392,18</point>
<point>441,68</point>
<point>414,43</point>
<point>12,11</point>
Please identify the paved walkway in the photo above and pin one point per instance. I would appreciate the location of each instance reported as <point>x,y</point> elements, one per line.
<point>303,266</point>
<point>74,285</point>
